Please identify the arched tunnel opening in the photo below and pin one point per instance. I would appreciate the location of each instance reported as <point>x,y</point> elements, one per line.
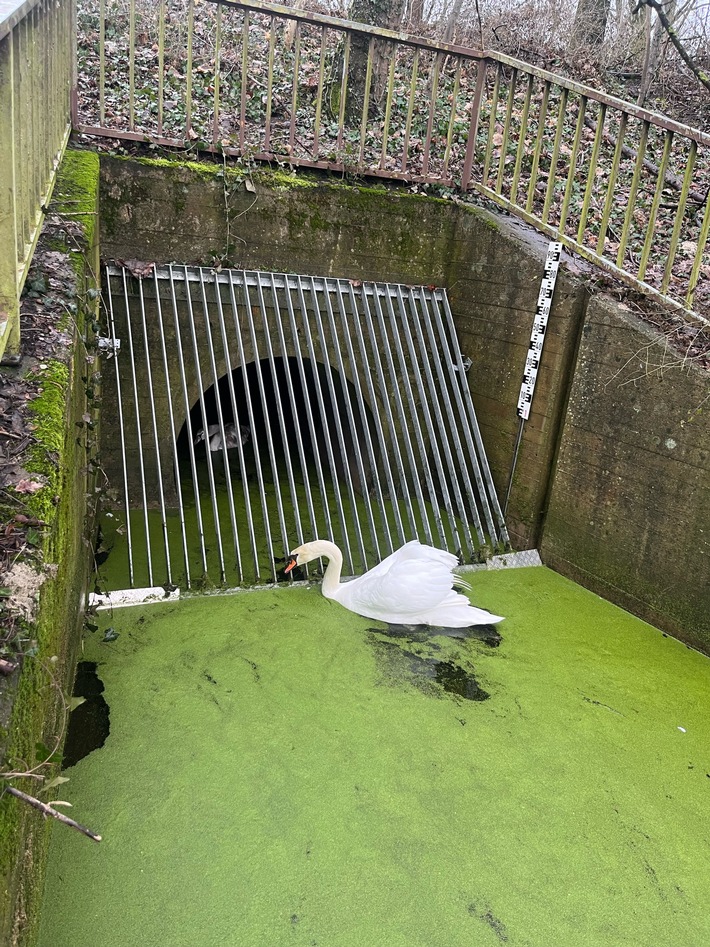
<point>283,412</point>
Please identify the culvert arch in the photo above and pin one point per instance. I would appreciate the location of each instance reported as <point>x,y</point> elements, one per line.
<point>344,407</point>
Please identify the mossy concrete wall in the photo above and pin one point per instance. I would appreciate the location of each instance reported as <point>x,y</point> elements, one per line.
<point>593,520</point>
<point>200,214</point>
<point>31,700</point>
<point>629,509</point>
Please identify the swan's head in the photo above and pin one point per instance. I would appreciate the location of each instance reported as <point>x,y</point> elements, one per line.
<point>310,551</point>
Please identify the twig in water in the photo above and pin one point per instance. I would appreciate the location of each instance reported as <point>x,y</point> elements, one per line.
<point>48,810</point>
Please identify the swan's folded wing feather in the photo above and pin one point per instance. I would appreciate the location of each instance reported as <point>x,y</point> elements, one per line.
<point>409,584</point>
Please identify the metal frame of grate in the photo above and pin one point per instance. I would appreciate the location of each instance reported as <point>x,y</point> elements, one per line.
<point>361,425</point>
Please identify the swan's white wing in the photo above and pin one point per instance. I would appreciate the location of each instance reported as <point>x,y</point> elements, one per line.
<point>410,586</point>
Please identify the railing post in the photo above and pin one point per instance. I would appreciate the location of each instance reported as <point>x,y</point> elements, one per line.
<point>9,296</point>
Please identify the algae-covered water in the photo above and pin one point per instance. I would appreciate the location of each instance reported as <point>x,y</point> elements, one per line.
<point>278,773</point>
<point>222,537</point>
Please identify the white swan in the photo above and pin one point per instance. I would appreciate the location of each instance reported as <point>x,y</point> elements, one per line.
<point>413,586</point>
<point>230,436</point>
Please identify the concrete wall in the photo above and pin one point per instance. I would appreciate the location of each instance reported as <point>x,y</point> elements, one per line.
<point>625,513</point>
<point>629,509</point>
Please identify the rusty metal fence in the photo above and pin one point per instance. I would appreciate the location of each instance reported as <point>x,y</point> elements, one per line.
<point>623,187</point>
<point>36,51</point>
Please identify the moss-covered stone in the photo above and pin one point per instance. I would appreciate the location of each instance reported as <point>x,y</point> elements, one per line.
<point>58,458</point>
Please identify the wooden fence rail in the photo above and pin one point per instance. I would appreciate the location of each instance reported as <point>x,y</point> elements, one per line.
<point>36,47</point>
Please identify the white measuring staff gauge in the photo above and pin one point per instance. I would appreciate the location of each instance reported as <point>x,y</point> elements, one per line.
<point>537,336</point>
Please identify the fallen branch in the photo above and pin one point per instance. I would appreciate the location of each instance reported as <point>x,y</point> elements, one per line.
<point>671,179</point>
<point>48,810</point>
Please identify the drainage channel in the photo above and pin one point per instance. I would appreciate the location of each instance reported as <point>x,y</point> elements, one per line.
<point>247,412</point>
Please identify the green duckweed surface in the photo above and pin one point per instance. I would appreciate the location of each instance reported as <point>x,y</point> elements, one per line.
<point>276,774</point>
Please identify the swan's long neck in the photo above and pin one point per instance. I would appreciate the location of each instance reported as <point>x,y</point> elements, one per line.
<point>331,579</point>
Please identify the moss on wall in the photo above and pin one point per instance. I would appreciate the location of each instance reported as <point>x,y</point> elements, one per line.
<point>59,458</point>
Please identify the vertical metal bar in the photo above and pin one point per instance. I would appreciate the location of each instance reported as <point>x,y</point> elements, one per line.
<point>220,422</point>
<point>102,62</point>
<point>319,99</point>
<point>699,255</point>
<point>554,158</point>
<point>430,399</point>
<point>325,356</point>
<point>294,413</point>
<point>237,427</point>
<point>432,110</point>
<point>631,200</point>
<point>521,149</point>
<point>538,148</point>
<point>297,340</point>
<point>506,130</point>
<point>121,430</point>
<point>252,428</point>
<point>611,183</point>
<point>343,92</point>
<point>660,185</point>
<point>452,117</point>
<point>203,410</point>
<point>269,84</point>
<point>364,369</point>
<point>492,121</point>
<point>399,380</point>
<point>294,91</point>
<point>141,463</point>
<point>334,348</point>
<point>431,354</point>
<point>472,434</point>
<point>217,72</point>
<point>173,437</point>
<point>245,71</point>
<point>161,65</point>
<point>388,109</point>
<point>680,210</point>
<point>131,64</point>
<point>473,125</point>
<point>366,100</point>
<point>156,439</point>
<point>420,407</point>
<point>591,174</point>
<point>385,401</point>
<point>265,408</point>
<point>361,370</point>
<point>410,108</point>
<point>188,411</point>
<point>571,173</point>
<point>188,71</point>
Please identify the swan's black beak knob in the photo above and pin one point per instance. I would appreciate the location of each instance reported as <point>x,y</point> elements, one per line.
<point>290,564</point>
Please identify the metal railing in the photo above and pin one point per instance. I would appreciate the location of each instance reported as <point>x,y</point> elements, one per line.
<point>623,187</point>
<point>35,122</point>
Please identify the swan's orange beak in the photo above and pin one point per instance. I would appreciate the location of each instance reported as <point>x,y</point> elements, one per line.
<point>290,564</point>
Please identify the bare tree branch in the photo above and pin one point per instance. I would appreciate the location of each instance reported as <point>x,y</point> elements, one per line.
<point>701,76</point>
<point>48,810</point>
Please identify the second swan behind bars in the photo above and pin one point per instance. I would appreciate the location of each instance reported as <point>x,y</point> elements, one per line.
<point>413,586</point>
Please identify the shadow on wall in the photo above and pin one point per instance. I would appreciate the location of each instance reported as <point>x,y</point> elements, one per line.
<point>288,409</point>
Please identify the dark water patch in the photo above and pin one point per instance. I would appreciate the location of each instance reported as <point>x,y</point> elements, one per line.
<point>485,633</point>
<point>89,722</point>
<point>428,673</point>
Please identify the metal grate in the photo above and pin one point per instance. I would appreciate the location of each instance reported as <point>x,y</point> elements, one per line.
<point>347,407</point>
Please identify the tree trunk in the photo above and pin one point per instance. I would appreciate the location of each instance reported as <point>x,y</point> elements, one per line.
<point>384,13</point>
<point>590,22</point>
